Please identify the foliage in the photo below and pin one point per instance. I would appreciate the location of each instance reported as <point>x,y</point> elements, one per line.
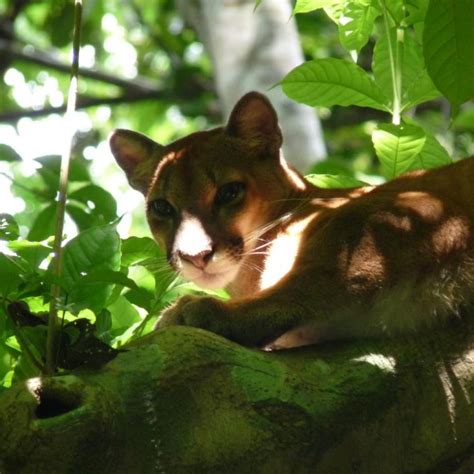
<point>422,49</point>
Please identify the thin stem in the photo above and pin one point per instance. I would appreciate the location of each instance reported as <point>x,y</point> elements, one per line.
<point>61,333</point>
<point>395,54</point>
<point>62,195</point>
<point>398,71</point>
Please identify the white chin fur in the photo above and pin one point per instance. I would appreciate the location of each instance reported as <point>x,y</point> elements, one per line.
<point>209,279</point>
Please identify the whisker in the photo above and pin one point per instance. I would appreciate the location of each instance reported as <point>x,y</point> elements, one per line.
<point>253,267</point>
<point>248,254</point>
<point>262,246</point>
<point>259,231</point>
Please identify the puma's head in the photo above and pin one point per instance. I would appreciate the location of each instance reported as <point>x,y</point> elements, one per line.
<point>210,195</point>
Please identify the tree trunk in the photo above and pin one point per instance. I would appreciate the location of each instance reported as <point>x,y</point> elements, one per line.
<point>253,49</point>
<point>183,400</point>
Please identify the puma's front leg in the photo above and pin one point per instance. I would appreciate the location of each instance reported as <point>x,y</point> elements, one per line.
<point>196,311</point>
<point>252,322</point>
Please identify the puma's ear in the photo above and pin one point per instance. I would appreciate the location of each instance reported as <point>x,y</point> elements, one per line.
<point>255,120</point>
<point>137,155</point>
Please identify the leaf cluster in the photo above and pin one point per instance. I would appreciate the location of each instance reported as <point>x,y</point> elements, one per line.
<point>420,53</point>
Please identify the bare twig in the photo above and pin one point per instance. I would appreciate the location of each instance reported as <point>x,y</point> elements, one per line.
<point>62,196</point>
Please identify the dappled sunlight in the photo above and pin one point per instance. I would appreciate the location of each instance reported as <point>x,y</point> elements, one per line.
<point>295,178</point>
<point>34,95</point>
<point>461,369</point>
<point>334,198</point>
<point>122,54</point>
<point>452,234</point>
<point>283,252</point>
<point>383,362</point>
<point>425,204</point>
<point>34,386</point>
<point>450,397</point>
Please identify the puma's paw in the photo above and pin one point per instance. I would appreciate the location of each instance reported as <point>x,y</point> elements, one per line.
<point>200,312</point>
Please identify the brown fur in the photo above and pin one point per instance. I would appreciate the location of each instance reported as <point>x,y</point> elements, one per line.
<point>302,263</point>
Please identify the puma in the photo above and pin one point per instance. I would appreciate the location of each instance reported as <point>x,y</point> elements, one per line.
<point>301,264</point>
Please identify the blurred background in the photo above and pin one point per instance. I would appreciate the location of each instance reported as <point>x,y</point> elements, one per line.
<point>165,68</point>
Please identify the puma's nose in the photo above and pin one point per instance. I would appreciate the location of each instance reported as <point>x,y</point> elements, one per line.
<point>199,260</point>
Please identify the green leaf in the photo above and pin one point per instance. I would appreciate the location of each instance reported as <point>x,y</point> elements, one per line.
<point>397,146</point>
<point>417,86</point>
<point>6,372</point>
<point>32,252</point>
<point>43,225</point>
<point>7,380</point>
<point>12,343</point>
<point>182,288</point>
<point>11,272</point>
<point>58,23</point>
<point>9,229</point>
<point>99,202</point>
<point>103,322</point>
<point>448,40</point>
<point>329,181</point>
<point>304,6</point>
<point>50,166</point>
<point>465,120</point>
<point>108,276</point>
<point>416,10</point>
<point>123,313</point>
<point>330,81</point>
<point>142,277</point>
<point>83,219</point>
<point>122,337</point>
<point>36,337</point>
<point>140,297</point>
<point>396,10</point>
<point>356,23</point>
<point>91,251</point>
<point>420,91</point>
<point>136,249</point>
<point>431,155</point>
<point>7,153</point>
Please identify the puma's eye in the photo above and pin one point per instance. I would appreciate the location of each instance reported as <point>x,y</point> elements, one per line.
<point>229,192</point>
<point>161,208</point>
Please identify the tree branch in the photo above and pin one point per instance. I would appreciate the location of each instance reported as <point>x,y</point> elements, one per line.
<point>30,54</point>
<point>82,103</point>
<point>183,400</point>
